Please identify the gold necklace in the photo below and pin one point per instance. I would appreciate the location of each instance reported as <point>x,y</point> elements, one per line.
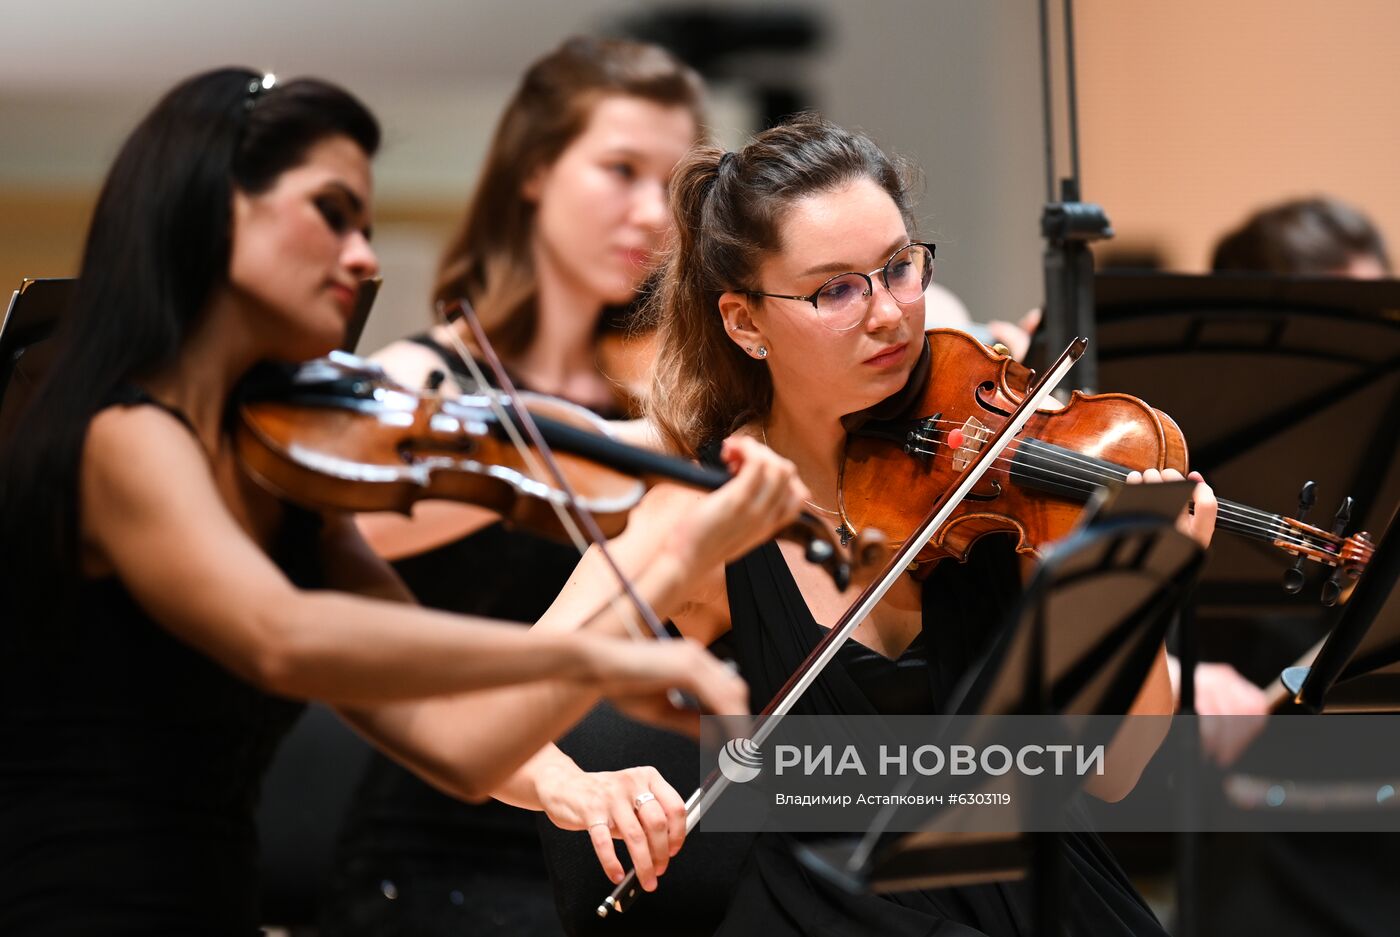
<point>845,530</point>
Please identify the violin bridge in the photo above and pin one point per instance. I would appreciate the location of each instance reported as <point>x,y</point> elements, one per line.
<point>967,441</point>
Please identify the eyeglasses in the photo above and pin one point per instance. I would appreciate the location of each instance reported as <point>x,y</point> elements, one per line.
<point>843,301</point>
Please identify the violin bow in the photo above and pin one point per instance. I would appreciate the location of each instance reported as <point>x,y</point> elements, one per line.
<point>542,460</point>
<point>699,803</point>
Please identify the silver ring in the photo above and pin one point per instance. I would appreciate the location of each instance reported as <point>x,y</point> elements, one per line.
<point>607,823</point>
<point>645,797</point>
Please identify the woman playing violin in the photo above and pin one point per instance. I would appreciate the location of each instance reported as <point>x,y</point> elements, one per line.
<point>568,215</point>
<point>794,299</point>
<point>163,613</point>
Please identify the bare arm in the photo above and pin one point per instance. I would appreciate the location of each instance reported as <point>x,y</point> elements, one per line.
<point>1134,747</point>
<point>464,742</point>
<point>468,744</point>
<point>153,515</point>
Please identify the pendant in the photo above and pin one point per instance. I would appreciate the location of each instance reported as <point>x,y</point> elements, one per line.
<point>845,533</point>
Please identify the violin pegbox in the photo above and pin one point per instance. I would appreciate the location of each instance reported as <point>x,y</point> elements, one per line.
<point>1347,556</point>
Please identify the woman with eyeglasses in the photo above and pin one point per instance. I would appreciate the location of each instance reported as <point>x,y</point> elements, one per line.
<point>567,219</point>
<point>163,615</point>
<point>793,299</point>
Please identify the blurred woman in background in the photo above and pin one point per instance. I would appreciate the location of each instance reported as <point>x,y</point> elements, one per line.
<point>565,225</point>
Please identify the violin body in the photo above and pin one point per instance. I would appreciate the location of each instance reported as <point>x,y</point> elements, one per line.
<point>1038,489</point>
<point>339,434</point>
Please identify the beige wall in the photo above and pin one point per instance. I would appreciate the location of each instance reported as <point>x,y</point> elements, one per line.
<point>41,234</point>
<point>1194,112</point>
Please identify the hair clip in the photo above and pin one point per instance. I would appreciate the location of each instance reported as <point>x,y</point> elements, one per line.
<point>257,87</point>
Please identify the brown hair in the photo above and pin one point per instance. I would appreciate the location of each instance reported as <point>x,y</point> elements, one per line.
<point>489,259</point>
<point>1307,236</point>
<point>728,208</point>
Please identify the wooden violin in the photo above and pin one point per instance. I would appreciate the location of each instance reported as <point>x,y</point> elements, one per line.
<point>337,433</point>
<point>1039,486</point>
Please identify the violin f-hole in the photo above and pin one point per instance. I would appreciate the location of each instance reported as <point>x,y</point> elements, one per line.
<point>988,387</point>
<point>995,493</point>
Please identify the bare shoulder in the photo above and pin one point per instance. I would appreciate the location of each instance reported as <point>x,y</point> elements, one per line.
<point>126,442</point>
<point>410,363</point>
<point>138,464</point>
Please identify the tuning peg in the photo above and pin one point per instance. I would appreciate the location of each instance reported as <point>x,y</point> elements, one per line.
<point>1307,497</point>
<point>1293,577</point>
<point>1343,517</point>
<point>1332,588</point>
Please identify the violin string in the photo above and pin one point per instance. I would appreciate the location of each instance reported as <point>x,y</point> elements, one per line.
<point>617,602</point>
<point>1258,519</point>
<point>1070,457</point>
<point>1243,522</point>
<point>1065,457</point>
<point>1240,518</point>
<point>1233,519</point>
<point>1229,518</point>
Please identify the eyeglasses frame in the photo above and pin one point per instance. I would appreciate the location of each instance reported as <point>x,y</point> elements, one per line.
<point>867,277</point>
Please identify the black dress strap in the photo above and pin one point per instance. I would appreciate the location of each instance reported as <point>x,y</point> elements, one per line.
<point>133,395</point>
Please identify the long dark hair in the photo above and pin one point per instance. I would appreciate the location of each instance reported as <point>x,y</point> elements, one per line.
<point>728,209</point>
<point>157,249</point>
<point>488,259</point>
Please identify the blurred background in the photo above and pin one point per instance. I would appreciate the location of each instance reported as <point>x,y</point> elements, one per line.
<point>1192,113</point>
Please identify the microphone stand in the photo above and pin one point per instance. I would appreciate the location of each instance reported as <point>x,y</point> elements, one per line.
<point>1068,226</point>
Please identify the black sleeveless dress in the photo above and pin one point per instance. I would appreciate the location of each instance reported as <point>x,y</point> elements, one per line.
<point>744,884</point>
<point>772,631</point>
<point>412,859</point>
<point>130,765</point>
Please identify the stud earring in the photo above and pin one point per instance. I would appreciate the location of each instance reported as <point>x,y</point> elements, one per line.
<point>762,351</point>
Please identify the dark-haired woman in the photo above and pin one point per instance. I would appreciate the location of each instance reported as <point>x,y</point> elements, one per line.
<point>162,613</point>
<point>568,215</point>
<point>794,298</point>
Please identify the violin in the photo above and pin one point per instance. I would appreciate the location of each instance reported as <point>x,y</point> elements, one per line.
<point>337,433</point>
<point>1040,484</point>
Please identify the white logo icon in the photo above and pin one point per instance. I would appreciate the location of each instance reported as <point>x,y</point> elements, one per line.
<point>740,760</point>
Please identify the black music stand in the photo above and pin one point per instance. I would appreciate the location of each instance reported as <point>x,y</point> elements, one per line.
<point>26,341</point>
<point>1275,381</point>
<point>1082,640</point>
